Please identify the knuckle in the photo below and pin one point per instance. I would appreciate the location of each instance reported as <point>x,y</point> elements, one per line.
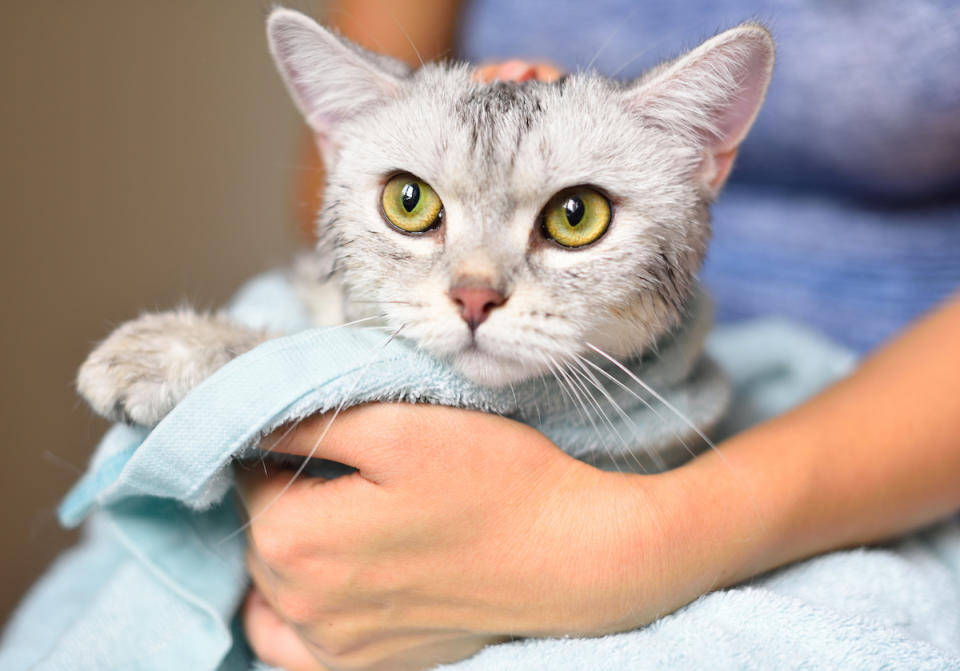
<point>342,644</point>
<point>336,586</point>
<point>294,607</point>
<point>275,547</point>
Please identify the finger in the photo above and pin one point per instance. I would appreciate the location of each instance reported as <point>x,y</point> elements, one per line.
<point>547,72</point>
<point>486,73</point>
<point>254,478</point>
<point>274,641</point>
<point>339,436</point>
<point>283,500</point>
<point>516,71</point>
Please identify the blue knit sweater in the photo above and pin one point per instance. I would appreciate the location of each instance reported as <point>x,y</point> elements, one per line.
<point>844,208</point>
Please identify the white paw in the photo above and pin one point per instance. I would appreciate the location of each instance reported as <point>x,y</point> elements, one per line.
<point>148,365</point>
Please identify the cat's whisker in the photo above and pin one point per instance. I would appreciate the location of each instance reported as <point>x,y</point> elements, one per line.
<point>61,462</point>
<point>656,455</point>
<point>616,406</point>
<point>657,458</point>
<point>650,390</point>
<point>642,469</point>
<point>589,415</point>
<point>316,446</point>
<point>279,440</point>
<point>643,52</point>
<point>578,400</point>
<point>353,302</point>
<point>616,31</point>
<point>628,63</point>
<point>353,323</point>
<point>596,404</point>
<point>630,454</point>
<point>369,36</point>
<point>393,18</point>
<point>406,36</point>
<point>561,385</point>
<point>552,367</point>
<point>513,391</point>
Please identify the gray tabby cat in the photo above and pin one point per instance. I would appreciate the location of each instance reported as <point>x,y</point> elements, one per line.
<point>501,225</point>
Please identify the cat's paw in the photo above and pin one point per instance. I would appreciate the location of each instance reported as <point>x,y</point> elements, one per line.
<point>146,366</point>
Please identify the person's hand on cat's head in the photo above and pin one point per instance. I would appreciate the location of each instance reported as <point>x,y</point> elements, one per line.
<point>517,71</point>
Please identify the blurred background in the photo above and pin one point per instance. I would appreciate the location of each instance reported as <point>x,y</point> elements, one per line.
<point>148,156</point>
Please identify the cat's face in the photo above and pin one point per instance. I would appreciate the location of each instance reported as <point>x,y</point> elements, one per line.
<point>505,226</point>
<point>496,156</point>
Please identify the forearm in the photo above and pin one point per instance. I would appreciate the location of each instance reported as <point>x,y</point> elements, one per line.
<point>873,456</point>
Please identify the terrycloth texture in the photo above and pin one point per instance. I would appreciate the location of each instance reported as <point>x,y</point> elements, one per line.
<point>843,210</point>
<point>157,581</point>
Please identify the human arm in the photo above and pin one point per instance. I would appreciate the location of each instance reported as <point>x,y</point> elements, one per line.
<point>498,532</point>
<point>874,455</point>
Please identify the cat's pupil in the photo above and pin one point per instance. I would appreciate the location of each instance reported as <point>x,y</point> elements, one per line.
<point>574,210</point>
<point>410,196</point>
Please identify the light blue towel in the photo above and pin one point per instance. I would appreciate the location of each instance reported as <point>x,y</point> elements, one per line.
<point>157,581</point>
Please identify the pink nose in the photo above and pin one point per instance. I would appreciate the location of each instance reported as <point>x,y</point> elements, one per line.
<point>476,303</point>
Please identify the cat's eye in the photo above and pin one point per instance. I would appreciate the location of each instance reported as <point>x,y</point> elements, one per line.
<point>411,204</point>
<point>576,217</point>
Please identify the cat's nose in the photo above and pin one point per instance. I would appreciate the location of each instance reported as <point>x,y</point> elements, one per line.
<point>476,303</point>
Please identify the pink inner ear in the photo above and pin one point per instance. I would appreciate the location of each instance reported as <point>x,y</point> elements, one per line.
<point>735,116</point>
<point>722,163</point>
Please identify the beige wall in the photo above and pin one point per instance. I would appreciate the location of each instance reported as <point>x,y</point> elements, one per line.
<point>147,156</point>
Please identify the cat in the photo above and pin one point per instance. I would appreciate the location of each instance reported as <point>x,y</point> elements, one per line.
<point>499,226</point>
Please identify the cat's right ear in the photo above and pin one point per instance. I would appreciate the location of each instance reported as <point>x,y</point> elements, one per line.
<point>329,78</point>
<point>711,96</point>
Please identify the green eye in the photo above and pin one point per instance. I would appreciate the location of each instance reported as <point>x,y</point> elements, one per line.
<point>576,217</point>
<point>411,204</point>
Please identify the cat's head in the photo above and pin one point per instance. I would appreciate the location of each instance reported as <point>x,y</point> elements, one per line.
<point>506,225</point>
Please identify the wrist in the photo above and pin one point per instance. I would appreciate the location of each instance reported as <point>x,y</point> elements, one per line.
<point>747,504</point>
<point>701,527</point>
<point>656,544</point>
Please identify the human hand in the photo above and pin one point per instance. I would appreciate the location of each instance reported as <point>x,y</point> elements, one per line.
<point>517,71</point>
<point>459,529</point>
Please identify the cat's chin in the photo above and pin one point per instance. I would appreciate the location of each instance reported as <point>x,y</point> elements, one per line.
<point>489,370</point>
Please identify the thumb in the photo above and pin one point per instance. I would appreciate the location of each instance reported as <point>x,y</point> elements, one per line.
<point>345,437</point>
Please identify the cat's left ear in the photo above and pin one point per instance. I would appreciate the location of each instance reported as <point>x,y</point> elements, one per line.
<point>711,95</point>
<point>329,78</point>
